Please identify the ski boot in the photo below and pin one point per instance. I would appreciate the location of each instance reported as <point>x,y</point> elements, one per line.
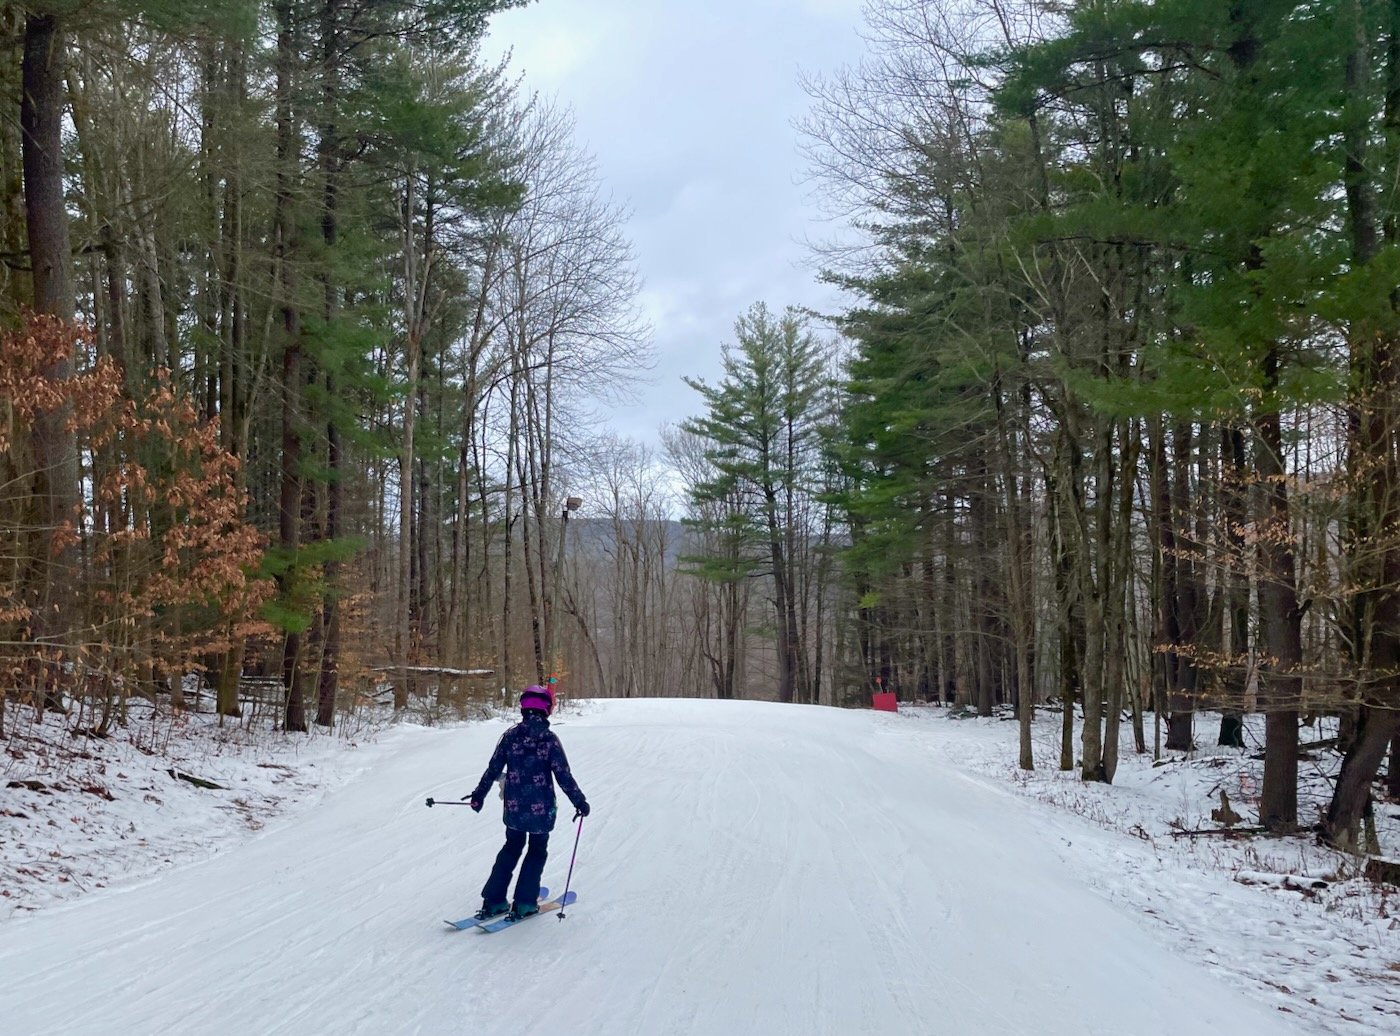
<point>523,910</point>
<point>488,911</point>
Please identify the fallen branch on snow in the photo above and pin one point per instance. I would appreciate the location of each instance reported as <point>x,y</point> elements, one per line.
<point>198,782</point>
<point>1296,882</point>
<point>1304,747</point>
<point>1227,831</point>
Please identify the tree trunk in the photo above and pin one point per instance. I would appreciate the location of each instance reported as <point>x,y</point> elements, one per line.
<point>1373,546</point>
<point>329,682</point>
<point>415,276</point>
<point>1375,729</point>
<point>782,595</point>
<point>51,573</point>
<point>1392,776</point>
<point>1021,590</point>
<point>508,546</point>
<point>1092,592</point>
<point>41,123</point>
<point>1066,607</point>
<point>1280,621</point>
<point>289,500</point>
<point>230,671</point>
<point>1184,601</point>
<point>981,532</point>
<point>1236,611</point>
<point>1116,564</point>
<point>404,633</point>
<point>328,148</point>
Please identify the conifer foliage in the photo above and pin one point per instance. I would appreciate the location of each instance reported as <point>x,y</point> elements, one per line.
<point>294,292</point>
<point>1119,427</point>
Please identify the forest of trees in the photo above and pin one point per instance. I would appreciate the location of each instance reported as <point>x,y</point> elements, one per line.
<point>295,294</point>
<point>308,311</point>
<point>1119,426</point>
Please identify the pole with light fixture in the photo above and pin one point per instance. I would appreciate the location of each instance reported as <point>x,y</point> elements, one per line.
<point>572,503</point>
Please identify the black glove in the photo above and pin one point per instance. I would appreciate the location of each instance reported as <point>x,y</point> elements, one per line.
<point>475,803</point>
<point>583,809</point>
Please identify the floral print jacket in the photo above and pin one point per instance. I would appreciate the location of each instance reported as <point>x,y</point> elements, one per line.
<point>533,759</point>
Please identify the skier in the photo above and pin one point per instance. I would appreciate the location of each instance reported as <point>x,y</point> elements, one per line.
<point>533,759</point>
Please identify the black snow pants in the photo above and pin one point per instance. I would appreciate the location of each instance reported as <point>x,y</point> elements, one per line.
<point>527,886</point>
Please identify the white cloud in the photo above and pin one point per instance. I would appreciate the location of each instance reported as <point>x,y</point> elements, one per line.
<point>551,58</point>
<point>838,9</point>
<point>688,108</point>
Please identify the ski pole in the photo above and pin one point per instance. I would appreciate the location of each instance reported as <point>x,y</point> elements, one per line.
<point>565,898</point>
<point>438,802</point>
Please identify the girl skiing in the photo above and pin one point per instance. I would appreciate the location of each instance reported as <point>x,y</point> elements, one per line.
<point>533,759</point>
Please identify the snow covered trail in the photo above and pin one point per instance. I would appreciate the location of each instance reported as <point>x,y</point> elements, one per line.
<point>749,868</point>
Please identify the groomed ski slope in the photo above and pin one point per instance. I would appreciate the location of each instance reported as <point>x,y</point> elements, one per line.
<point>749,869</point>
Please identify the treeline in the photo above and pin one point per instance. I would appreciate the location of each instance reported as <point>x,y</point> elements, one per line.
<point>1119,426</point>
<point>297,295</point>
<point>308,313</point>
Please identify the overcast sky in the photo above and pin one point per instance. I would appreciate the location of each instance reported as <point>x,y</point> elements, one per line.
<point>688,106</point>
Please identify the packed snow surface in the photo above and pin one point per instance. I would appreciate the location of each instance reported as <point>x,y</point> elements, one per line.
<point>748,868</point>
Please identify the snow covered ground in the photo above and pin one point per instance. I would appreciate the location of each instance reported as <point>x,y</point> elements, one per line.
<point>76,816</point>
<point>749,868</point>
<point>1328,955</point>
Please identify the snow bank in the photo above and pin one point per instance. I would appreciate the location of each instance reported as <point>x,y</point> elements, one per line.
<point>81,814</point>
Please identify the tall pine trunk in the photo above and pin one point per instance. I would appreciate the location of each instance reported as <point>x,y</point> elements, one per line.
<point>1374,440</point>
<point>329,159</point>
<point>1233,513</point>
<point>1280,622</point>
<point>289,500</point>
<point>52,561</point>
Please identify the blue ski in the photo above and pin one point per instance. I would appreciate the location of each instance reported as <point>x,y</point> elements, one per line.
<point>501,923</point>
<point>471,922</point>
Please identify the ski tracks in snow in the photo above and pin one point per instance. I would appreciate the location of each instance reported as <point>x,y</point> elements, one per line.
<point>749,868</point>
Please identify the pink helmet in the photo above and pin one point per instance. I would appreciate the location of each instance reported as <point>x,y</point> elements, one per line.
<point>537,697</point>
